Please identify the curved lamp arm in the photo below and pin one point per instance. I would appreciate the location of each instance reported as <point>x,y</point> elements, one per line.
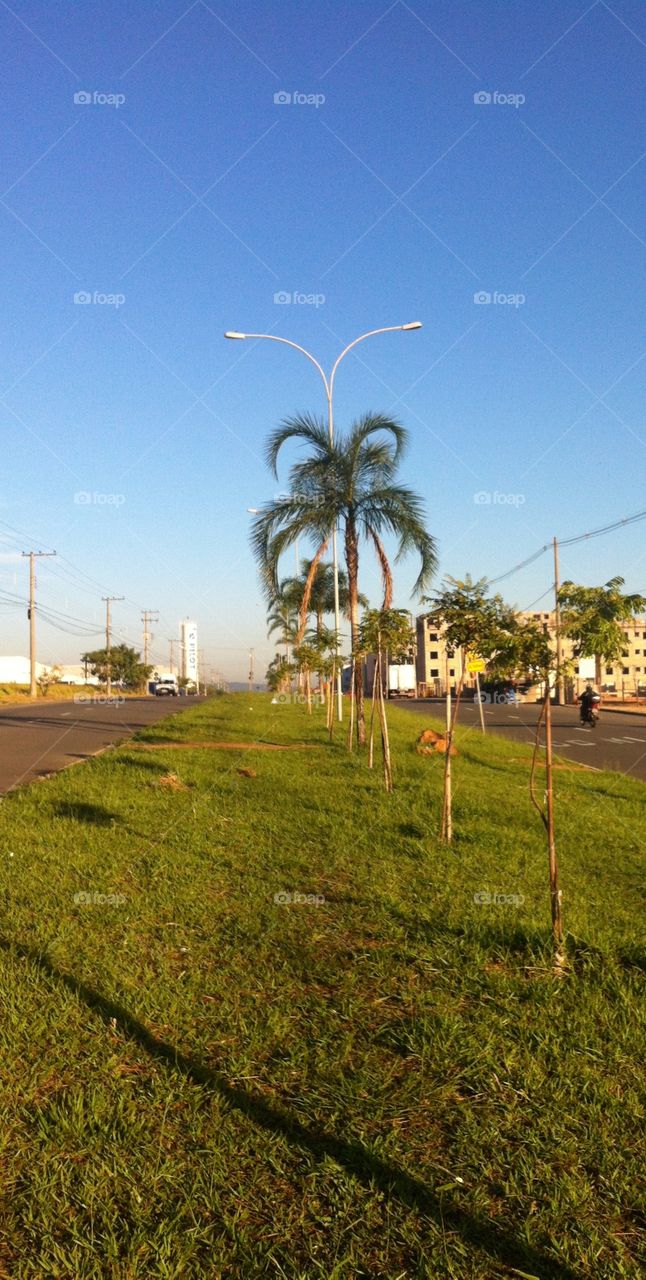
<point>271,337</point>
<point>391,328</point>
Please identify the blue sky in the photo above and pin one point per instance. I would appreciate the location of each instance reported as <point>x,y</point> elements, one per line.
<point>198,198</point>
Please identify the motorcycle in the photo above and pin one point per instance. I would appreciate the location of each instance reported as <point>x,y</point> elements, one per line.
<point>590,713</point>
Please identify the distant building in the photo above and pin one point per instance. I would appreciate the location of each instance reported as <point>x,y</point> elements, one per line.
<point>626,676</point>
<point>623,678</point>
<point>15,670</point>
<point>74,673</point>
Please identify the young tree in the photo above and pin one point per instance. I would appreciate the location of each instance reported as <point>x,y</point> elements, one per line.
<point>121,663</point>
<point>279,674</point>
<point>591,618</point>
<point>388,634</point>
<point>352,484</point>
<point>47,678</point>
<point>525,652</point>
<point>472,623</point>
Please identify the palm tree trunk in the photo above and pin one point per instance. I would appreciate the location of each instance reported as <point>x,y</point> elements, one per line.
<point>352,563</point>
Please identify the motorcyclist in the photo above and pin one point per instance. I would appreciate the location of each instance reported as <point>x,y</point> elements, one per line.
<point>589,700</point>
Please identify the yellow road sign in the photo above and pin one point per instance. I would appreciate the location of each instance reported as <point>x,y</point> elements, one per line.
<point>475,665</point>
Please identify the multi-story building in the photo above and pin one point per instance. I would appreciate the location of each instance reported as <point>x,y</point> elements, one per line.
<point>624,678</point>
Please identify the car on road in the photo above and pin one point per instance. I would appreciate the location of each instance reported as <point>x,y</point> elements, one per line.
<point>166,686</point>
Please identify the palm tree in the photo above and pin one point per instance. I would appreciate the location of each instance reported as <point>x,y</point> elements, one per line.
<point>351,483</point>
<point>283,618</point>
<point>319,598</point>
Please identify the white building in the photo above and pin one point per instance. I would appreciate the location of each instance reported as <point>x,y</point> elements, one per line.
<point>15,670</point>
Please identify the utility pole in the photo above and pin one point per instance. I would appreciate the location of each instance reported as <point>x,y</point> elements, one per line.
<point>171,642</point>
<point>251,657</point>
<point>108,601</point>
<point>31,614</point>
<point>148,615</point>
<point>557,619</point>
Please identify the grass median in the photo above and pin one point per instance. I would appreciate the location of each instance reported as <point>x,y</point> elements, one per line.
<point>258,1021</point>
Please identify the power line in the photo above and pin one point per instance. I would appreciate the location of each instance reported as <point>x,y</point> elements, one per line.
<point>570,542</point>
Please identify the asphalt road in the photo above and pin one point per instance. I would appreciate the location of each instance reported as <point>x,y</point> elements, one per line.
<point>618,742</point>
<point>42,737</point>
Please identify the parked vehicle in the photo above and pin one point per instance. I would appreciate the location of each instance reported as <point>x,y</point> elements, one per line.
<point>402,682</point>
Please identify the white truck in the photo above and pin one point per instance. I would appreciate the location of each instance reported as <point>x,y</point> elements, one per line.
<point>402,682</point>
<point>166,685</point>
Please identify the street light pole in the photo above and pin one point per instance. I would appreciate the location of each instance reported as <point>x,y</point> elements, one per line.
<point>328,383</point>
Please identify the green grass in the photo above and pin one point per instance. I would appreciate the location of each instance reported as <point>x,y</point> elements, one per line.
<point>200,1081</point>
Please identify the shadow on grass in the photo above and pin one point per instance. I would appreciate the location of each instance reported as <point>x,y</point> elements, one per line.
<point>93,814</point>
<point>357,1160</point>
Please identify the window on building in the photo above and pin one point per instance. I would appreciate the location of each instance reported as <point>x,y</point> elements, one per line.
<point>432,635</point>
<point>637,650</point>
<point>451,672</point>
<point>625,671</point>
<point>609,671</point>
<point>435,671</point>
<point>434,653</point>
<point>576,671</point>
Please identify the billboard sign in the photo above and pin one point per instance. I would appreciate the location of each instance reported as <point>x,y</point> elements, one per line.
<point>189,649</point>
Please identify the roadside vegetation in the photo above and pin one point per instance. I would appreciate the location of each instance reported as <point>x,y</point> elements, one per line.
<point>290,1032</point>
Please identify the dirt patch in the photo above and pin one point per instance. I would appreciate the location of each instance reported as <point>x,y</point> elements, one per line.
<point>569,767</point>
<point>223,746</point>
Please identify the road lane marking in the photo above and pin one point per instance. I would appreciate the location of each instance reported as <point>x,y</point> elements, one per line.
<point>639,740</point>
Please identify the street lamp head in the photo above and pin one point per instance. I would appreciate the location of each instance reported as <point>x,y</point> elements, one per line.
<point>232,333</point>
<point>414,324</point>
<point>253,511</point>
